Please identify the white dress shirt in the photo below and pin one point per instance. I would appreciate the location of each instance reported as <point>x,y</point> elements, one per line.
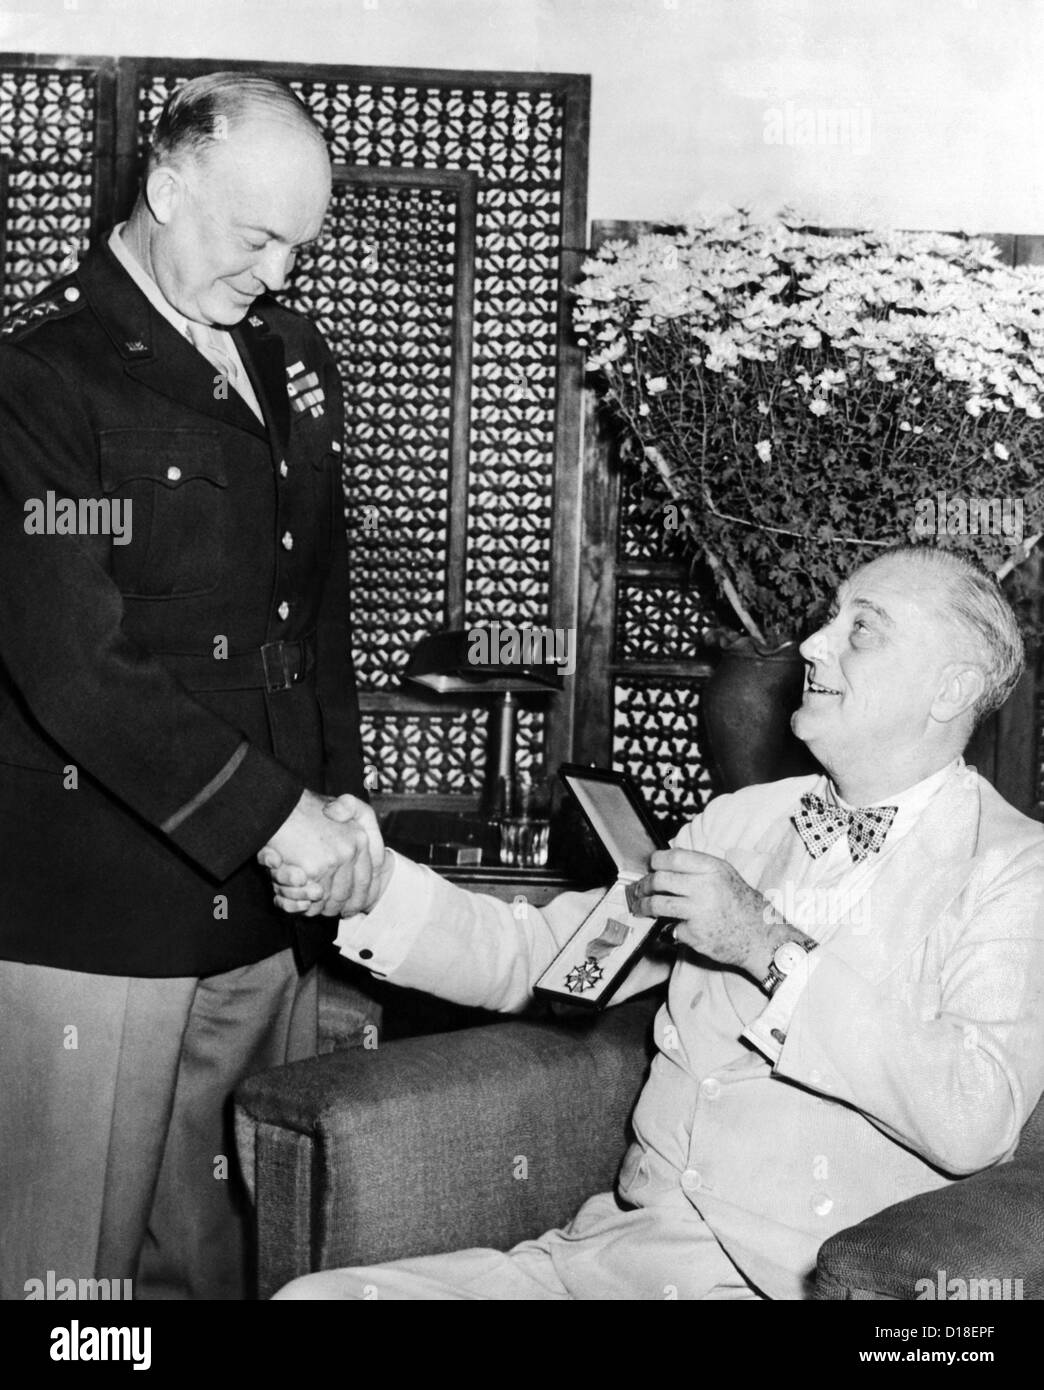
<point>818,892</point>
<point>224,355</point>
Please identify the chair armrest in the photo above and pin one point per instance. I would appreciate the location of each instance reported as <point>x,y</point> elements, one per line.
<point>986,1227</point>
<point>486,1136</point>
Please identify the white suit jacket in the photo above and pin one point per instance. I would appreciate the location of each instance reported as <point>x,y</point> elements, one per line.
<point>911,1055</point>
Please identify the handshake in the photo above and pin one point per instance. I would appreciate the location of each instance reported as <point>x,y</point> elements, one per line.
<point>327,858</point>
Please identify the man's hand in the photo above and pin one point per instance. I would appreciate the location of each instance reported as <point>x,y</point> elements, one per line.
<point>327,857</point>
<point>717,912</point>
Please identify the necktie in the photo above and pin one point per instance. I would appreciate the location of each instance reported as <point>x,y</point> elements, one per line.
<point>820,824</point>
<point>215,348</point>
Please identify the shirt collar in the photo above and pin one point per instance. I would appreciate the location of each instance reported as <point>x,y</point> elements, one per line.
<point>148,286</point>
<point>910,802</point>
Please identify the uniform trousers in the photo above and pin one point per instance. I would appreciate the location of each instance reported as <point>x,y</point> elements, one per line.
<point>116,1152</point>
<point>666,1251</point>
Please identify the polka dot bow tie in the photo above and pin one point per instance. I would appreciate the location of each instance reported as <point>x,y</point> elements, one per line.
<point>820,824</point>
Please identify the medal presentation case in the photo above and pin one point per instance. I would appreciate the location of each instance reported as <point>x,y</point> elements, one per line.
<point>594,962</point>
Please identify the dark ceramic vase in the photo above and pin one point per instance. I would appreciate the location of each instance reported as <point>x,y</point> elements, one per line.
<point>745,711</point>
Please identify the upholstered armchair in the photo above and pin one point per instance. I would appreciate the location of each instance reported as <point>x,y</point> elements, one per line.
<point>481,1136</point>
<point>986,1227</point>
<point>491,1135</point>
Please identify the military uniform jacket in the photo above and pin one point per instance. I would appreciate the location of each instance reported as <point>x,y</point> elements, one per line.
<point>164,701</point>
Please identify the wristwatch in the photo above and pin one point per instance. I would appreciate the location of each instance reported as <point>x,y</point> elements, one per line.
<point>784,959</point>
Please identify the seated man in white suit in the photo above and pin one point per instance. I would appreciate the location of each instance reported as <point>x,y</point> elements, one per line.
<point>858,1013</point>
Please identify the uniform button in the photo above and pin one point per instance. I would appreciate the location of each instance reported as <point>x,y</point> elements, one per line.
<point>779,1036</point>
<point>288,541</point>
<point>72,294</point>
<point>173,473</point>
<point>691,1180</point>
<point>710,1088</point>
<point>283,470</point>
<point>284,610</point>
<point>365,954</point>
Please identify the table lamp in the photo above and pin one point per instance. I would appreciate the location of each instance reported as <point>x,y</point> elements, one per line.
<point>472,660</point>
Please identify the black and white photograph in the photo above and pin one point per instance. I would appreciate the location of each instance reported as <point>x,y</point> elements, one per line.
<point>521,705</point>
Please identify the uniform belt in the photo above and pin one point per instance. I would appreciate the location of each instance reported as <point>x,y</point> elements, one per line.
<point>275,666</point>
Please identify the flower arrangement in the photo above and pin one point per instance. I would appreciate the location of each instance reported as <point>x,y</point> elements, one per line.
<point>799,399</point>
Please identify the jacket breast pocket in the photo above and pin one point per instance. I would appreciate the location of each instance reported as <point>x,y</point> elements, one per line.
<point>174,483</point>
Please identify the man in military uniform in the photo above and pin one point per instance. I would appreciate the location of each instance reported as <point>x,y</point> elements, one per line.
<point>173,700</point>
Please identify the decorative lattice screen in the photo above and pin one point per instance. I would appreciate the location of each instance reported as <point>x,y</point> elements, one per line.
<point>422,284</point>
<point>659,668</point>
<point>50,124</point>
<point>382,289</point>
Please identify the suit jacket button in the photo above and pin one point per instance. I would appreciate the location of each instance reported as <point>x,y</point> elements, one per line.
<point>72,294</point>
<point>288,541</point>
<point>173,473</point>
<point>284,610</point>
<point>283,470</point>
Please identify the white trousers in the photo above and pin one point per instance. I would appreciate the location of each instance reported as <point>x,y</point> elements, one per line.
<point>665,1251</point>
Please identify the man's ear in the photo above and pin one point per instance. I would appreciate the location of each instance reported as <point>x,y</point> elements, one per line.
<point>960,686</point>
<point>164,189</point>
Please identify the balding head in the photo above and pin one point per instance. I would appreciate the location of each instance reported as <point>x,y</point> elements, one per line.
<point>239,180</point>
<point>208,110</point>
<point>920,645</point>
<point>971,601</point>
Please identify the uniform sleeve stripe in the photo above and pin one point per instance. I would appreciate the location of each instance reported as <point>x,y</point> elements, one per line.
<point>211,789</point>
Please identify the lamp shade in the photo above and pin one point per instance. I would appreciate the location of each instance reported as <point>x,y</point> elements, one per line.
<point>493,657</point>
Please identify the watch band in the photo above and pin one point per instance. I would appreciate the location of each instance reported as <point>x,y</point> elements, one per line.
<point>776,976</point>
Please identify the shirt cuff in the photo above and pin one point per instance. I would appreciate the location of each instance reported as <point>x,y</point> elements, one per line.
<point>768,1032</point>
<point>381,938</point>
